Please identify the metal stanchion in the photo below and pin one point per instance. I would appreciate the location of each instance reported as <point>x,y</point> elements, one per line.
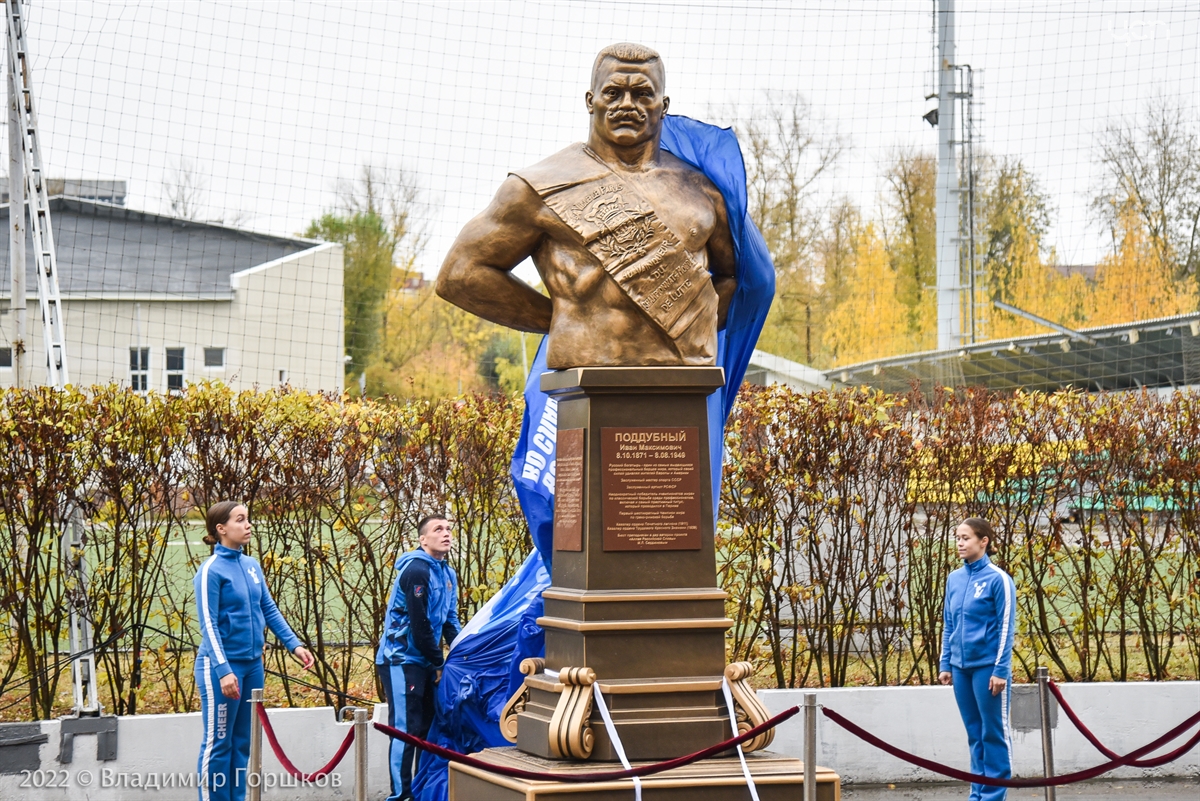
<point>1043,682</point>
<point>360,755</point>
<point>810,747</point>
<point>254,768</point>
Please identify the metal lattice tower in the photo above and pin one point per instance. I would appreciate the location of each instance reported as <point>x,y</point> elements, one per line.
<point>23,113</point>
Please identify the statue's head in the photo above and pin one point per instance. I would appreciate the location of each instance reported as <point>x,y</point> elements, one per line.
<point>627,100</point>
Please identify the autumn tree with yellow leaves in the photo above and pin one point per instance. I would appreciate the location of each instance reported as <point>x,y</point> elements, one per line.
<point>1152,171</point>
<point>869,323</point>
<point>1134,283</point>
<point>1017,266</point>
<point>909,229</point>
<point>401,339</point>
<point>786,152</point>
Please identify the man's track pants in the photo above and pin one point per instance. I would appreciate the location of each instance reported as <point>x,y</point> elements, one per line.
<point>410,692</point>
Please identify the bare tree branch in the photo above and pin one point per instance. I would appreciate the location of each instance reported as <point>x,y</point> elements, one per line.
<point>184,188</point>
<point>1152,165</point>
<point>395,196</point>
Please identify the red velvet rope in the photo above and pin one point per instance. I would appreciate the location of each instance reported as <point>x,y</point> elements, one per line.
<point>584,778</point>
<point>1153,762</point>
<point>287,763</point>
<point>992,781</point>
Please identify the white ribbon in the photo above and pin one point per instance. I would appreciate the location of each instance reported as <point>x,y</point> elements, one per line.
<point>616,739</point>
<point>613,736</point>
<point>734,727</point>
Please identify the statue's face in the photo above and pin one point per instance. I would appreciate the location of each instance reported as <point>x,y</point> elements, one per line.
<point>627,102</point>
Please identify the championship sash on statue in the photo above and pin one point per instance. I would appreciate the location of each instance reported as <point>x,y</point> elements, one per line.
<point>621,229</point>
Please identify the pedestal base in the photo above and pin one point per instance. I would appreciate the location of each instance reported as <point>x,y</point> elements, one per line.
<point>634,596</point>
<point>777,778</point>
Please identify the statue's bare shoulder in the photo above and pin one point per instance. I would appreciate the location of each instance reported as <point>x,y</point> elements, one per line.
<point>568,167</point>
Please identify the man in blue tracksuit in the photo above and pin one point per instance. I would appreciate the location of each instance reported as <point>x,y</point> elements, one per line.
<point>422,611</point>
<point>233,607</point>
<point>979,618</point>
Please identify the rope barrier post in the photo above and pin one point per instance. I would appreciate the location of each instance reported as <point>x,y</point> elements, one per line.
<point>360,755</point>
<point>254,767</point>
<point>1043,682</point>
<point>810,747</point>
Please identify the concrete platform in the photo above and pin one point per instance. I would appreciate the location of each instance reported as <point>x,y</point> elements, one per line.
<point>777,777</point>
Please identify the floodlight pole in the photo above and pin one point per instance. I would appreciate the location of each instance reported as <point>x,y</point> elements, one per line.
<point>949,279</point>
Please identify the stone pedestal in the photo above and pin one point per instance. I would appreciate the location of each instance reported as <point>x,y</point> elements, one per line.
<point>634,595</point>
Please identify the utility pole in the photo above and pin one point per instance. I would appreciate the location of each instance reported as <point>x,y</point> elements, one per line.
<point>949,277</point>
<point>16,228</point>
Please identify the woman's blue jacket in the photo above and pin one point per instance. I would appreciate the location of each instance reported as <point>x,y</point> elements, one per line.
<point>234,608</point>
<point>979,618</point>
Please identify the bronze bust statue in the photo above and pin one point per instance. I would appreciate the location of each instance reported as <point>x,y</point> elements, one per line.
<point>632,243</point>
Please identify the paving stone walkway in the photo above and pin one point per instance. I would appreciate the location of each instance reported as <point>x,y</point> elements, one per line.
<point>1184,790</point>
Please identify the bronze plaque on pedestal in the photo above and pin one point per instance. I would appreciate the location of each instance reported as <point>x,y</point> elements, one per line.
<point>568,490</point>
<point>650,478</point>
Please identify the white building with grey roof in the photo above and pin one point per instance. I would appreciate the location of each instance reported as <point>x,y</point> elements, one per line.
<point>154,302</point>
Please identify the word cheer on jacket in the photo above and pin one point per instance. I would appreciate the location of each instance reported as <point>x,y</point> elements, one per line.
<point>235,608</point>
<point>422,609</point>
<point>979,618</point>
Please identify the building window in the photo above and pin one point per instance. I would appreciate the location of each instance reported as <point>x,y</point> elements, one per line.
<point>214,357</point>
<point>174,369</point>
<point>6,358</point>
<point>283,377</point>
<point>139,369</point>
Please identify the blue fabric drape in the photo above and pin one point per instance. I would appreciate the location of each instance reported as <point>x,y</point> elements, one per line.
<point>481,669</point>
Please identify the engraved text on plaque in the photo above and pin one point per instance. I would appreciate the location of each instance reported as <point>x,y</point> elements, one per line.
<point>650,478</point>
<point>568,490</point>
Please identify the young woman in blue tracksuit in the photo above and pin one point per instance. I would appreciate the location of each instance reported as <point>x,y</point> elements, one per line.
<point>422,611</point>
<point>234,607</point>
<point>979,617</point>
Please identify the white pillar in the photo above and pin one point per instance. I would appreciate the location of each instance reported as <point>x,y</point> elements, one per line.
<point>949,311</point>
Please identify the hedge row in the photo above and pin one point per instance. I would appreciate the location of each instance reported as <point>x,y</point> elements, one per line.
<point>835,534</point>
<point>839,510</point>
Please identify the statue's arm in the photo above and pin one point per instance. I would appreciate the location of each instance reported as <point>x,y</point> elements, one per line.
<point>477,273</point>
<point>722,262</point>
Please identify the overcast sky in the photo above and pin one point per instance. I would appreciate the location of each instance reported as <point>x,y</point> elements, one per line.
<point>274,102</point>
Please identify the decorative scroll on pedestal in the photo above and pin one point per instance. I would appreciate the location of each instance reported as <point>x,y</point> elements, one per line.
<point>749,710</point>
<point>516,705</point>
<point>570,731</point>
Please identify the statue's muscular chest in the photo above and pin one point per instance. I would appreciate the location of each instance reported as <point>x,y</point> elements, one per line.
<point>646,229</point>
<point>678,200</point>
